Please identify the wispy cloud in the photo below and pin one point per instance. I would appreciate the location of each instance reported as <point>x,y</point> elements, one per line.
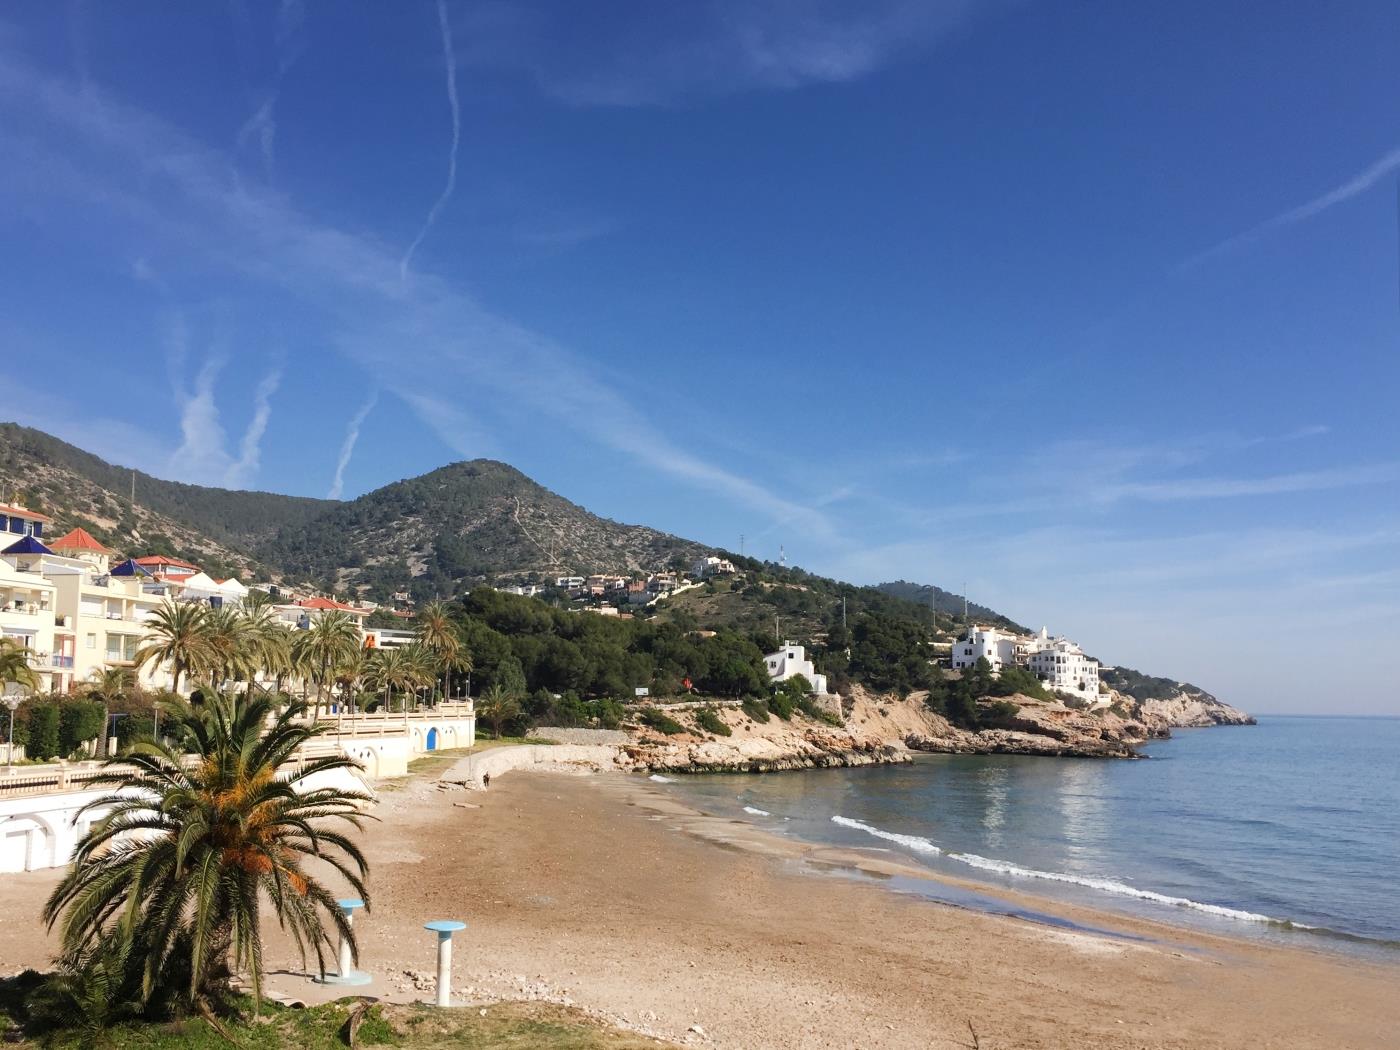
<point>261,125</point>
<point>450,63</point>
<point>201,455</point>
<point>646,54</point>
<point>186,194</point>
<point>347,447</point>
<point>1353,187</point>
<point>1186,489</point>
<point>244,469</point>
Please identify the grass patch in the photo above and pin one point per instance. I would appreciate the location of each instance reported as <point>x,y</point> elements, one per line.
<point>505,1026</point>
<point>817,713</point>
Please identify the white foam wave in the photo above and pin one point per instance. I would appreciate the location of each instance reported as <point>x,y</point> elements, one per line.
<point>914,842</point>
<point>757,812</point>
<point>1122,889</point>
<point>660,779</point>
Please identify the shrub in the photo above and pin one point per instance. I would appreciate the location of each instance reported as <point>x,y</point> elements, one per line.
<point>708,719</point>
<point>608,713</point>
<point>999,713</point>
<point>43,740</point>
<point>816,712</point>
<point>660,721</point>
<point>78,722</point>
<point>756,709</point>
<point>782,704</point>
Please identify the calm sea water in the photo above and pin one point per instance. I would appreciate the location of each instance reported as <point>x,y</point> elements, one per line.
<point>1289,830</point>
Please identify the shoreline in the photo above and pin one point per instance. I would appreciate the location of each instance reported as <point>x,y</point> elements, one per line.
<point>607,893</point>
<point>889,868</point>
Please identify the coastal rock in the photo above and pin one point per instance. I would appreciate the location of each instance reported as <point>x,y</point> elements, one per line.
<point>1191,710</point>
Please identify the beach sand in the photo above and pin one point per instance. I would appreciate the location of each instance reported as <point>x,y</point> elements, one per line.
<point>605,892</point>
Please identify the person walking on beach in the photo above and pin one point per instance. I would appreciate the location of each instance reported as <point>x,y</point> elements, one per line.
<point>485,780</point>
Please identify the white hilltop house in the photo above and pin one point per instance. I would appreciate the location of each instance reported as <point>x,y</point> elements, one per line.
<point>1058,662</point>
<point>711,566</point>
<point>791,660</point>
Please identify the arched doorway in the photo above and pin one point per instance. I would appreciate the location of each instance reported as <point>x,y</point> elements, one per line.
<point>432,740</point>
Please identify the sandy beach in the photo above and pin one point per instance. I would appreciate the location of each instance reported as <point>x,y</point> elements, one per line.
<point>604,892</point>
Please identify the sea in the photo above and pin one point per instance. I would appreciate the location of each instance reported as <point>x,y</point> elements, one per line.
<point>1287,831</point>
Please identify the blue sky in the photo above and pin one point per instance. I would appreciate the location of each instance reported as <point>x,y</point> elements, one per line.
<point>1093,310</point>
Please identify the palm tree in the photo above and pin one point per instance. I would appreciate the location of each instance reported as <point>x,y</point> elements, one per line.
<point>422,664</point>
<point>438,635</point>
<point>178,869</point>
<point>14,665</point>
<point>232,648</point>
<point>459,663</point>
<point>498,705</point>
<point>106,686</point>
<point>176,635</point>
<point>347,677</point>
<point>332,637</point>
<point>389,670</point>
<point>270,643</point>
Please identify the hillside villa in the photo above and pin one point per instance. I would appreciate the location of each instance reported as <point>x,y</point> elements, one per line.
<point>1058,662</point>
<point>790,661</point>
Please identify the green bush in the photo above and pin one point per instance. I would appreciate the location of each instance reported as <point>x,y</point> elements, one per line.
<point>816,712</point>
<point>44,738</point>
<point>660,721</point>
<point>78,722</point>
<point>782,704</point>
<point>607,713</point>
<point>708,719</point>
<point>998,714</point>
<point>1019,680</point>
<point>756,709</point>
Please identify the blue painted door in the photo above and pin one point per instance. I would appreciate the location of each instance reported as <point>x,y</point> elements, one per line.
<point>432,739</point>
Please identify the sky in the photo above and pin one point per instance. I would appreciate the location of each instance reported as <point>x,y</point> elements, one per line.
<point>1091,309</point>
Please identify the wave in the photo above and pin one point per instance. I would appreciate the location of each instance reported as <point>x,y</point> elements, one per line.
<point>1122,889</point>
<point>914,842</point>
<point>660,779</point>
<point>757,812</point>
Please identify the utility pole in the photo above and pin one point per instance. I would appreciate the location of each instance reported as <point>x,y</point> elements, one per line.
<point>965,619</point>
<point>741,544</point>
<point>843,612</point>
<point>133,488</point>
<point>778,631</point>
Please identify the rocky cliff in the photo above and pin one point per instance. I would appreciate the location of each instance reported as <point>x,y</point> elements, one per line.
<point>1189,709</point>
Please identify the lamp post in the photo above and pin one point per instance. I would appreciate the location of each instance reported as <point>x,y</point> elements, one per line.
<point>12,701</point>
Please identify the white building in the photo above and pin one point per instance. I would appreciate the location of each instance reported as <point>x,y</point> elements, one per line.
<point>1058,662</point>
<point>711,566</point>
<point>999,648</point>
<point>1062,666</point>
<point>791,660</point>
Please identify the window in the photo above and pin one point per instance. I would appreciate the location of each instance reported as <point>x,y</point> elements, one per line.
<point>92,641</point>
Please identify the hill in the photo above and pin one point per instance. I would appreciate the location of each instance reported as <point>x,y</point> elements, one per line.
<point>466,523</point>
<point>946,602</point>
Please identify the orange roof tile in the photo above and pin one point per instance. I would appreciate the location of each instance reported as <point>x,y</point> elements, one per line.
<point>79,540</point>
<point>329,603</point>
<point>23,512</point>
<point>160,559</point>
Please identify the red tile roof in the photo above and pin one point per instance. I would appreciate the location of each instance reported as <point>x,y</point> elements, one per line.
<point>79,540</point>
<point>22,512</point>
<point>160,559</point>
<point>329,603</point>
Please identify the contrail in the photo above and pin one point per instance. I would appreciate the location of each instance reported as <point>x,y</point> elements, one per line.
<point>1346,191</point>
<point>245,468</point>
<point>347,448</point>
<point>451,63</point>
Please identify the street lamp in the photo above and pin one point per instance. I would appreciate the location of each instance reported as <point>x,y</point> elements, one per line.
<point>12,701</point>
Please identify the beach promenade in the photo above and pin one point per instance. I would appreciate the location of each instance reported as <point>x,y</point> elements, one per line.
<point>604,892</point>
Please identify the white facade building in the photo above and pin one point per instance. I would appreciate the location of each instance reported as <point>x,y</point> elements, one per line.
<point>1062,666</point>
<point>711,566</point>
<point>999,648</point>
<point>792,660</point>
